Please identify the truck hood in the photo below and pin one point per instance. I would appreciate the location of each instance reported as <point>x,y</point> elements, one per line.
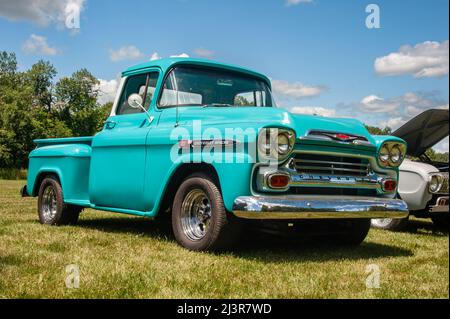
<point>305,123</point>
<point>424,131</point>
<point>420,168</point>
<point>269,116</point>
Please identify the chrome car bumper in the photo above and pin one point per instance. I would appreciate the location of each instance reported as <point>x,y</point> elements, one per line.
<point>441,205</point>
<point>318,207</point>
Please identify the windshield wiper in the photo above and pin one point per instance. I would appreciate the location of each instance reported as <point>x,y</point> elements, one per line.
<point>217,105</point>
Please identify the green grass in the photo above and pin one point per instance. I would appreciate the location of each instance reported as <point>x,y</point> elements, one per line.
<point>13,173</point>
<point>127,257</point>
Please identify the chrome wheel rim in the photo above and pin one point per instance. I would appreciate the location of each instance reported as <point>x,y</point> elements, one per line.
<point>195,215</point>
<point>381,222</point>
<point>49,203</point>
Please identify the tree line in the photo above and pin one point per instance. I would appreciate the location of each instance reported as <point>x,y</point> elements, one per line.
<point>33,105</point>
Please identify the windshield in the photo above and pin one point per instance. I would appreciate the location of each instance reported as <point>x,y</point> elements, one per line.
<point>195,86</point>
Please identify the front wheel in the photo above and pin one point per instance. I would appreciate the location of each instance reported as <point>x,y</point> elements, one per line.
<point>390,224</point>
<point>199,218</point>
<point>51,207</point>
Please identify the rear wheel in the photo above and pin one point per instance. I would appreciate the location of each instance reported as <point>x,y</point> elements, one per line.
<point>390,224</point>
<point>199,218</point>
<point>51,207</point>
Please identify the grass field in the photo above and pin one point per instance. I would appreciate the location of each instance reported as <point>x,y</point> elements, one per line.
<point>126,257</point>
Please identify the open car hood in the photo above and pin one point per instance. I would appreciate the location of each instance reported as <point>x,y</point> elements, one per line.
<point>424,131</point>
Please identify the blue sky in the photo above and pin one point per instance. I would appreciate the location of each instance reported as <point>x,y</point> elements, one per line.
<point>319,53</point>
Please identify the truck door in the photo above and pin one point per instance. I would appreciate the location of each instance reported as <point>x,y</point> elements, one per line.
<point>119,150</point>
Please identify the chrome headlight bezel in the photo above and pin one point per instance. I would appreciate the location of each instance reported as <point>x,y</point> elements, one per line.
<point>391,154</point>
<point>269,146</point>
<point>435,183</point>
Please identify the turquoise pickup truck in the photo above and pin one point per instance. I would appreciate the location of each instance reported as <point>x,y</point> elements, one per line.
<point>204,144</point>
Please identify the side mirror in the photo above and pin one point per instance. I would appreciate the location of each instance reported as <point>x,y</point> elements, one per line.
<point>135,101</point>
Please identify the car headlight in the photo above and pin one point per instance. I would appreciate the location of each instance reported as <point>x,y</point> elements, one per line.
<point>392,154</point>
<point>384,155</point>
<point>435,183</point>
<point>275,144</point>
<point>396,154</point>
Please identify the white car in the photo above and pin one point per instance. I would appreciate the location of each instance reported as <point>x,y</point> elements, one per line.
<point>423,184</point>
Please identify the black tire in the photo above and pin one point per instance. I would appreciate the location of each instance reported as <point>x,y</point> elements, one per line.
<point>391,224</point>
<point>219,232</point>
<point>58,212</point>
<point>349,232</point>
<point>441,222</point>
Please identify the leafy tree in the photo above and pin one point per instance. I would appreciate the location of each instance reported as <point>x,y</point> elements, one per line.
<point>8,64</point>
<point>377,131</point>
<point>76,100</point>
<point>41,77</point>
<point>437,157</point>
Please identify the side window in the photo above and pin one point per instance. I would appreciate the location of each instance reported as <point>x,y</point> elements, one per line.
<point>144,85</point>
<point>253,98</point>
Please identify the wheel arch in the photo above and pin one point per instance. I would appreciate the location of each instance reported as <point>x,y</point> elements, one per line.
<point>42,175</point>
<point>178,176</point>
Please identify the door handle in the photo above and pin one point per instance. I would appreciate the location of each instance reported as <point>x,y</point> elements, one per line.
<point>109,125</point>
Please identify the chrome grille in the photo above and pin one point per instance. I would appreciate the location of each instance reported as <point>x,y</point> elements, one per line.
<point>331,165</point>
<point>444,188</point>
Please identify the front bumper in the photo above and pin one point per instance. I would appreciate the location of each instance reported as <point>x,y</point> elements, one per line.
<point>441,205</point>
<point>318,207</point>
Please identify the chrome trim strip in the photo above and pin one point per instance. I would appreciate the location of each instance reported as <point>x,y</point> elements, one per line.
<point>325,162</point>
<point>318,207</point>
<point>331,168</point>
<point>314,138</point>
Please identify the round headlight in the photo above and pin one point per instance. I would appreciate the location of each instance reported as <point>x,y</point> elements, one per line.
<point>435,183</point>
<point>275,144</point>
<point>284,146</point>
<point>384,154</point>
<point>396,155</point>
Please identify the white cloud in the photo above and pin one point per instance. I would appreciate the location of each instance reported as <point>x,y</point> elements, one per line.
<point>392,112</point>
<point>295,90</point>
<point>37,44</point>
<point>393,123</point>
<point>373,103</point>
<point>107,90</point>
<point>204,52</point>
<point>155,56</point>
<point>182,55</point>
<point>296,2</point>
<point>427,59</point>
<point>313,110</point>
<point>126,53</point>
<point>41,12</point>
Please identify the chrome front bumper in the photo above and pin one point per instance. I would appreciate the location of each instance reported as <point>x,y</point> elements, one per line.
<point>441,205</point>
<point>318,207</point>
